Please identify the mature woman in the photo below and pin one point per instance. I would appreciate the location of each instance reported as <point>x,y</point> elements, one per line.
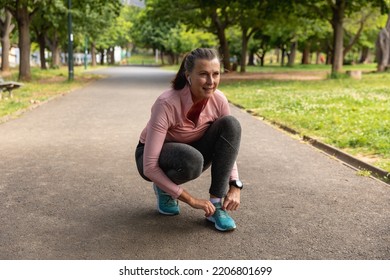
<point>191,129</point>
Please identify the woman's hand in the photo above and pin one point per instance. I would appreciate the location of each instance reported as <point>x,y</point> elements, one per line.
<point>204,204</point>
<point>196,203</point>
<point>232,199</point>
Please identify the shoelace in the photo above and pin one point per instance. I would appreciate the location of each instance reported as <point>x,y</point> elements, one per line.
<point>169,200</point>
<point>221,213</point>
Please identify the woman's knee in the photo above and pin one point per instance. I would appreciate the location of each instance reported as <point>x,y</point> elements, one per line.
<point>231,123</point>
<point>181,162</point>
<point>191,164</point>
<point>191,169</point>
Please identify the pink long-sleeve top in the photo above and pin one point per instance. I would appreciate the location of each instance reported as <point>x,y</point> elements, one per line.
<point>169,123</point>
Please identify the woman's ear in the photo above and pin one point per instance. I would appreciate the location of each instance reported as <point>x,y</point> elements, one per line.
<point>189,80</point>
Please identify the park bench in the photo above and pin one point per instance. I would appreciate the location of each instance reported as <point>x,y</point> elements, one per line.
<point>8,86</point>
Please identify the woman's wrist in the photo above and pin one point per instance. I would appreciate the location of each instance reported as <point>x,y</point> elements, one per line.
<point>187,198</point>
<point>233,189</point>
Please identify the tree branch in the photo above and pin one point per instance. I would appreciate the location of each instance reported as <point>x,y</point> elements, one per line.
<point>357,35</point>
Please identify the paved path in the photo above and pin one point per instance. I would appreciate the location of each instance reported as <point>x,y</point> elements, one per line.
<point>69,188</point>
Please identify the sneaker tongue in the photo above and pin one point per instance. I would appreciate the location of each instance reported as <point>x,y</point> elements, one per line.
<point>218,205</point>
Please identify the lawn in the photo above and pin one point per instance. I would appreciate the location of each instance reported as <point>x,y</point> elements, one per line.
<point>138,59</point>
<point>353,115</point>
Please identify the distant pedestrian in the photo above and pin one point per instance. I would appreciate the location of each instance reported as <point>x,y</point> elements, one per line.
<point>189,130</point>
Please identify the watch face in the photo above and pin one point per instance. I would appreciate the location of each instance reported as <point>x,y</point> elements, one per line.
<point>239,183</point>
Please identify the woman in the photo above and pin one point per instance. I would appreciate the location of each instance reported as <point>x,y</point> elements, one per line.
<point>191,129</point>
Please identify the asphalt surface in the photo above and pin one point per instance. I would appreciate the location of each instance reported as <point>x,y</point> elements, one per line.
<point>69,188</point>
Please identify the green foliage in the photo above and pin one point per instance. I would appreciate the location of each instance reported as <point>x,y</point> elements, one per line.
<point>175,26</point>
<point>161,33</point>
<point>97,20</point>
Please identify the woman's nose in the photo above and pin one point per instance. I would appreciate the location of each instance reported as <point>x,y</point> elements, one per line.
<point>210,80</point>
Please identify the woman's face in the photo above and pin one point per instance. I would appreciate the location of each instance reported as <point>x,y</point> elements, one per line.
<point>204,78</point>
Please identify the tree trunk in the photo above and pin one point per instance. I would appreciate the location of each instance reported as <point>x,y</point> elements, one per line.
<point>162,57</point>
<point>261,57</point>
<point>42,47</point>
<point>306,54</point>
<point>364,56</point>
<point>101,56</point>
<point>355,38</point>
<point>222,41</point>
<point>93,54</point>
<point>53,45</point>
<point>338,35</point>
<point>251,59</point>
<point>56,54</point>
<point>383,47</point>
<point>23,20</point>
<point>244,50</point>
<point>277,53</point>
<point>293,54</point>
<point>6,29</point>
<point>283,55</point>
<point>246,35</point>
<point>111,55</point>
<point>318,57</point>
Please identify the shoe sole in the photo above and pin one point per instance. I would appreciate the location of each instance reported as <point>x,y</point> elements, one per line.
<point>212,220</point>
<point>166,213</point>
<point>158,203</point>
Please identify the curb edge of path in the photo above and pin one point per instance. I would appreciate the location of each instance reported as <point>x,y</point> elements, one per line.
<point>33,106</point>
<point>351,161</point>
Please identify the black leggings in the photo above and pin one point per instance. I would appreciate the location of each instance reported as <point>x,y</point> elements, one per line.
<point>218,147</point>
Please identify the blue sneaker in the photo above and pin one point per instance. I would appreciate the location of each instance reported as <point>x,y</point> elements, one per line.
<point>221,219</point>
<point>166,205</point>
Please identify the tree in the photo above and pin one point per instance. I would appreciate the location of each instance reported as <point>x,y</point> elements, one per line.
<point>212,16</point>
<point>93,18</point>
<point>356,25</point>
<point>46,26</point>
<point>23,11</point>
<point>335,11</point>
<point>254,16</point>
<point>6,27</point>
<point>221,18</point>
<point>171,36</point>
<point>383,47</point>
<point>258,47</point>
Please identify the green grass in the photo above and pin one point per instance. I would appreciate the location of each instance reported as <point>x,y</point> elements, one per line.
<point>139,59</point>
<point>276,68</point>
<point>272,68</point>
<point>353,115</point>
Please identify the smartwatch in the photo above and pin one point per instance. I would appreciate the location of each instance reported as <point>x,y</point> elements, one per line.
<point>236,183</point>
